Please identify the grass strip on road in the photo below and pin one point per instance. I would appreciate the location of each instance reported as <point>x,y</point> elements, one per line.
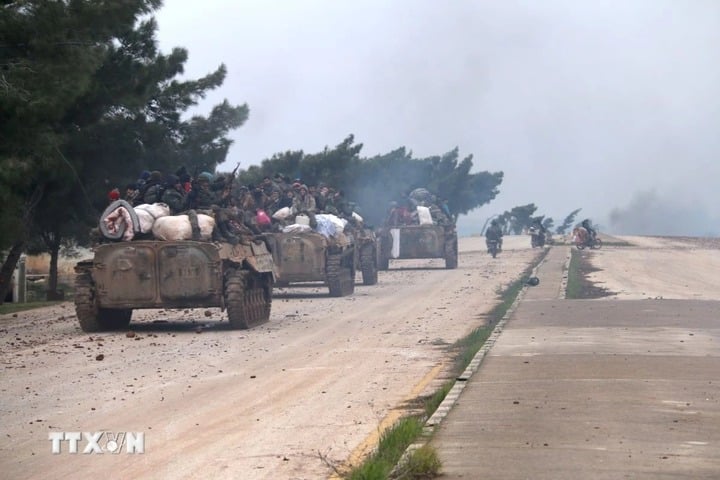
<point>423,462</point>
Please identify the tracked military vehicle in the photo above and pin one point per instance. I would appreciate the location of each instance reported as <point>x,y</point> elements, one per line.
<point>418,241</point>
<point>303,257</point>
<point>131,275</point>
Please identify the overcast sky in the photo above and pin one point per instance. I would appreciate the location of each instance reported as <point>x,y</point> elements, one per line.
<point>608,106</point>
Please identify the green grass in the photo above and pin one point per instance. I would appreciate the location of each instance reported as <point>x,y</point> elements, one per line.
<point>424,463</point>
<point>433,401</point>
<point>468,346</point>
<point>421,463</point>
<point>575,277</point>
<point>578,284</point>
<point>391,447</point>
<point>7,308</point>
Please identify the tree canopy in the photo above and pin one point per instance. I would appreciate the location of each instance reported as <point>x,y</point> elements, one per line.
<point>376,181</point>
<point>87,102</point>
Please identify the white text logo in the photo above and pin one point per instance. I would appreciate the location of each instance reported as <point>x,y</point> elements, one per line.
<point>97,442</point>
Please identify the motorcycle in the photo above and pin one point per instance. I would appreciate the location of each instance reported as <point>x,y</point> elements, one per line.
<point>583,239</point>
<point>537,237</point>
<point>493,247</point>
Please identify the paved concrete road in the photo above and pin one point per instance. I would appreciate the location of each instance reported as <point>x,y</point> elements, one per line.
<point>591,389</point>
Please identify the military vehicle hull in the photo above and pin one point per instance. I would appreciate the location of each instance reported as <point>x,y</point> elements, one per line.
<point>311,257</point>
<point>133,275</point>
<point>417,241</point>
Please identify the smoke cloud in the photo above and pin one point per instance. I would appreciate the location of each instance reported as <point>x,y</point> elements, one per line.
<point>650,213</point>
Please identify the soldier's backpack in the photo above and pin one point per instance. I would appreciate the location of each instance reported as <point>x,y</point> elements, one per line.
<point>153,194</point>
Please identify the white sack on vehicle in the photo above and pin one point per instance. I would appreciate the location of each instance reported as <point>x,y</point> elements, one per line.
<point>424,216</point>
<point>296,228</point>
<point>147,213</point>
<point>356,216</point>
<point>302,219</point>
<point>325,226</point>
<point>178,227</point>
<point>157,210</point>
<point>146,220</point>
<point>337,221</point>
<point>282,213</point>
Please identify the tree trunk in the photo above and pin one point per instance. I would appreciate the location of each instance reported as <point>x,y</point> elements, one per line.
<point>52,291</point>
<point>18,247</point>
<point>8,268</point>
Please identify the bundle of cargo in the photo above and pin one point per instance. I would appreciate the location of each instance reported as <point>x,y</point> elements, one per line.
<point>121,221</point>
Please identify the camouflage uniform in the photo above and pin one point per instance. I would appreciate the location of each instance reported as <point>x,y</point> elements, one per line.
<point>174,199</point>
<point>304,204</point>
<point>201,197</point>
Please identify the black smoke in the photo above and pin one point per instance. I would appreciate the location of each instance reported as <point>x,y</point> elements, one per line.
<point>649,213</point>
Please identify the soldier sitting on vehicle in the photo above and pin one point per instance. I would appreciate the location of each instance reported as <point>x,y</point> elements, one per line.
<point>203,199</point>
<point>152,191</point>
<point>174,195</point>
<point>304,203</point>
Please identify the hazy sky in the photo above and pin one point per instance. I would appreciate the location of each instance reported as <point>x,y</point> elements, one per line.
<point>609,106</point>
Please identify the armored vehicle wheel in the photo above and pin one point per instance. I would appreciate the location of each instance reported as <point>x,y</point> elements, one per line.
<point>91,317</point>
<point>368,265</point>
<point>248,296</point>
<point>383,260</point>
<point>451,252</point>
<point>340,278</point>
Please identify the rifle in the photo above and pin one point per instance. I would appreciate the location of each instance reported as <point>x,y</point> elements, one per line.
<point>234,172</point>
<point>231,181</point>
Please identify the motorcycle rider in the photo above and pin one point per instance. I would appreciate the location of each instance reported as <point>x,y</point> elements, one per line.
<point>539,230</point>
<point>494,232</point>
<point>587,225</point>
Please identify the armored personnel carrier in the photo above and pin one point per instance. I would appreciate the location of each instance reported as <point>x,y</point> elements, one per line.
<point>131,275</point>
<point>302,257</point>
<point>418,241</point>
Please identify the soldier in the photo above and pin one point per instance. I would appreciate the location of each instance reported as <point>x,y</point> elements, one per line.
<point>131,193</point>
<point>342,206</point>
<point>201,197</point>
<point>152,191</point>
<point>272,204</point>
<point>304,203</point>
<point>174,194</point>
<point>268,186</point>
